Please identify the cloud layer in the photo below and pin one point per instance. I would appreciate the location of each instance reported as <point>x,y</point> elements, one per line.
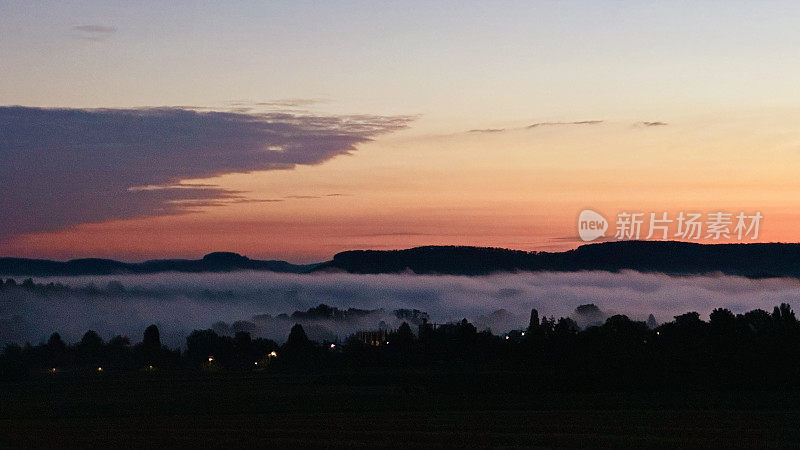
<point>68,166</point>
<point>180,303</point>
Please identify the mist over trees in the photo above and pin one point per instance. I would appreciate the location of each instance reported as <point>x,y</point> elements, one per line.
<point>263,303</point>
<point>757,349</point>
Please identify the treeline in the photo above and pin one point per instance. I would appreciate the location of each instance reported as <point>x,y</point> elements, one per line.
<point>113,287</point>
<point>755,350</point>
<point>205,349</point>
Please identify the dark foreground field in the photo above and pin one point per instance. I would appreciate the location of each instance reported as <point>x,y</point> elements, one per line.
<point>376,410</point>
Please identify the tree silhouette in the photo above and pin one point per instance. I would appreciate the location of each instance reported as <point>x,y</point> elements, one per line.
<point>690,320</point>
<point>721,320</point>
<point>55,343</point>
<point>566,326</point>
<point>152,338</point>
<point>201,346</point>
<point>404,334</point>
<point>90,348</point>
<point>533,323</point>
<point>56,352</point>
<point>297,338</point>
<point>784,318</point>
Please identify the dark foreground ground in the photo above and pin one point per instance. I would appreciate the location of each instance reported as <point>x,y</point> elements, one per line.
<point>377,410</point>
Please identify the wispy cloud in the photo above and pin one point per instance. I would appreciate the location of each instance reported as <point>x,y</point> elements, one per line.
<point>94,32</point>
<point>487,130</point>
<point>63,167</point>
<point>301,197</point>
<point>278,104</point>
<point>292,102</point>
<point>256,200</point>
<point>535,125</point>
<point>550,124</point>
<point>580,122</point>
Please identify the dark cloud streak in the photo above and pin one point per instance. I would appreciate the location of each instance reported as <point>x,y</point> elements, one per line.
<point>487,130</point>
<point>580,122</point>
<point>63,167</point>
<point>535,125</point>
<point>94,32</point>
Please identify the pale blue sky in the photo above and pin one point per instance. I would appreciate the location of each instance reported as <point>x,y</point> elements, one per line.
<point>472,61</point>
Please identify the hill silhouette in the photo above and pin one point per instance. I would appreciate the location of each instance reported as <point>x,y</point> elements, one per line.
<point>678,258</point>
<point>212,262</point>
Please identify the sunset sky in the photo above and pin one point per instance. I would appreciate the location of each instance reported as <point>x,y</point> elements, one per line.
<point>295,130</point>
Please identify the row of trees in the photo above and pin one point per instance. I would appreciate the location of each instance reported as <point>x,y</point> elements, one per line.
<point>728,351</point>
<point>90,352</point>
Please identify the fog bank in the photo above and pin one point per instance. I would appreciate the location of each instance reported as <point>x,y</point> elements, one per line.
<point>180,302</point>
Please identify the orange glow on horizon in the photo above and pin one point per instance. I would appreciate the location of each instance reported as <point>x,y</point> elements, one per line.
<point>518,189</point>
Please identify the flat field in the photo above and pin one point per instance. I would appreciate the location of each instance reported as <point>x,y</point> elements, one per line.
<point>377,410</point>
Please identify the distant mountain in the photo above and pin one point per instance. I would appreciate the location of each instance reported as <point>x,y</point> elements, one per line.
<point>680,258</point>
<point>213,262</point>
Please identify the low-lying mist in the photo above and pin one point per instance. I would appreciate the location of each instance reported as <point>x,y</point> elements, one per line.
<point>179,303</point>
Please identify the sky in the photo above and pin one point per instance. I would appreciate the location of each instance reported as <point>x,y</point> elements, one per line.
<point>295,130</point>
